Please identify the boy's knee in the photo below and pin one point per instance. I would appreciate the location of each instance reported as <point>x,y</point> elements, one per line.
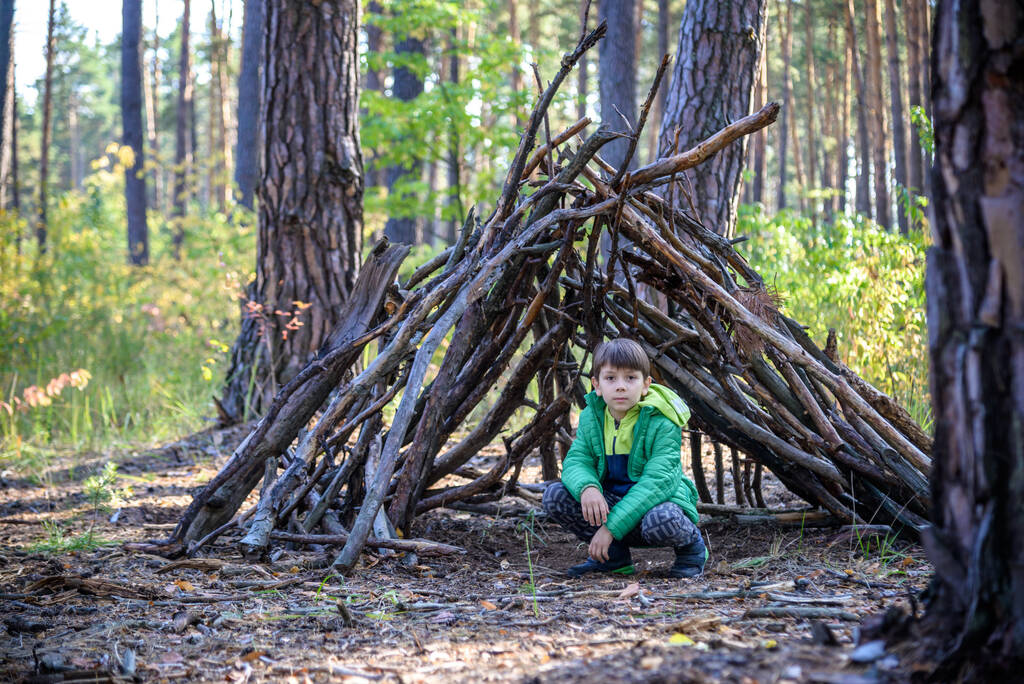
<point>554,496</point>
<point>667,523</point>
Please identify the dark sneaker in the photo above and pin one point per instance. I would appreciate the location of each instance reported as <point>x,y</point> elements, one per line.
<point>689,560</point>
<point>619,562</point>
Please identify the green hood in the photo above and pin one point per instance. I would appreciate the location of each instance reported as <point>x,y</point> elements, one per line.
<point>668,403</point>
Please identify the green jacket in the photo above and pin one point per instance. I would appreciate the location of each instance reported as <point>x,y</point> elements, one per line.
<point>654,458</point>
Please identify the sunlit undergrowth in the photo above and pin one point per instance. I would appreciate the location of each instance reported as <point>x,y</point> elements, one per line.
<point>866,283</point>
<point>153,339</point>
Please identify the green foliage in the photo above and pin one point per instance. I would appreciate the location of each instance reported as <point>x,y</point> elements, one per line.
<point>866,283</point>
<point>152,339</point>
<point>57,542</point>
<point>925,132</point>
<point>101,490</point>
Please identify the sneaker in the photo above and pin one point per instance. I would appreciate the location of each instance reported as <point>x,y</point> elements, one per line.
<point>689,560</point>
<point>619,562</point>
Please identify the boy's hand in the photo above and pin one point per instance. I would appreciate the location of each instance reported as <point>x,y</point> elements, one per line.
<point>599,544</point>
<point>595,508</point>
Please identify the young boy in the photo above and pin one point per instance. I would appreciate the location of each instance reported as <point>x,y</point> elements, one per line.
<point>622,480</point>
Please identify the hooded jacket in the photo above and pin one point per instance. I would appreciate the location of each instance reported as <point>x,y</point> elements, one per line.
<point>654,461</point>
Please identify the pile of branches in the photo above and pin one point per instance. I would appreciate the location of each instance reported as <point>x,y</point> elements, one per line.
<point>574,251</point>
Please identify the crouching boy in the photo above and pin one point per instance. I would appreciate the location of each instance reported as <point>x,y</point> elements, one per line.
<point>622,480</point>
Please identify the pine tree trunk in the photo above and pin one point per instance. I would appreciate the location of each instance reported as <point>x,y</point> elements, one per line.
<point>407,87</point>
<point>44,147</point>
<point>876,115</point>
<point>219,96</point>
<point>975,294</point>
<point>829,113</point>
<point>247,160</point>
<point>131,118</point>
<point>812,114</point>
<point>517,44</point>
<point>310,211</point>
<point>582,65</point>
<point>150,93</point>
<point>658,110</point>
<point>916,64</point>
<point>899,137</point>
<point>862,200</point>
<point>720,45</point>
<point>182,149</point>
<point>843,136</point>
<point>617,77</point>
<point>760,162</point>
<point>454,165</point>
<point>787,104</point>
<point>6,100</point>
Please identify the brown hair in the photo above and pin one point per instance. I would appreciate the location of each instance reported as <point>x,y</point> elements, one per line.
<point>620,353</point>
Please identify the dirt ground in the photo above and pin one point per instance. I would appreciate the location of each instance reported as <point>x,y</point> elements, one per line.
<point>503,611</point>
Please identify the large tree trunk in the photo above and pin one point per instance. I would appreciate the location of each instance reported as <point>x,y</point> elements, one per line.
<point>876,115</point>
<point>131,118</point>
<point>975,293</point>
<point>720,45</point>
<point>182,146</point>
<point>44,147</point>
<point>311,216</point>
<point>247,161</point>
<point>407,87</point>
<point>899,137</point>
<point>787,104</point>
<point>760,162</point>
<point>454,165</point>
<point>617,76</point>
<point>6,99</point>
<point>221,162</point>
<point>150,98</point>
<point>843,136</point>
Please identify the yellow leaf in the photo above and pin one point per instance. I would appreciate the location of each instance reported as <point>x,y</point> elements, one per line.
<point>184,585</point>
<point>681,639</point>
<point>770,643</point>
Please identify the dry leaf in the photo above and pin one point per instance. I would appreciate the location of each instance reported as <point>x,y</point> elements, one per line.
<point>632,590</point>
<point>184,585</point>
<point>488,605</point>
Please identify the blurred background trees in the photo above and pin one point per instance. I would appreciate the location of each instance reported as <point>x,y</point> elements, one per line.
<point>831,196</point>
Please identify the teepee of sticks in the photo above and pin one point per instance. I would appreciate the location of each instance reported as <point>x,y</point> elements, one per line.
<point>521,298</point>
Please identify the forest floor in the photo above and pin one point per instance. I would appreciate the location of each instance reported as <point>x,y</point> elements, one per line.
<point>496,613</point>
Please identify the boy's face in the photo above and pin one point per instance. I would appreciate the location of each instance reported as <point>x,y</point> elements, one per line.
<point>621,388</point>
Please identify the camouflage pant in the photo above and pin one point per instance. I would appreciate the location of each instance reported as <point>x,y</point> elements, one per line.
<point>664,525</point>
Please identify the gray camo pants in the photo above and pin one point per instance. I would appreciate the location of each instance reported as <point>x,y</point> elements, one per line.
<point>664,525</point>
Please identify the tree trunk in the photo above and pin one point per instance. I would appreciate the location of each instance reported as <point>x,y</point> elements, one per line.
<point>975,294</point>
<point>876,115</point>
<point>812,115</point>
<point>617,76</point>
<point>760,162</point>
<point>6,100</point>
<point>131,118</point>
<point>454,165</point>
<point>862,200</point>
<point>915,160</point>
<point>517,45</point>
<point>407,87</point>
<point>311,217</point>
<point>581,68</point>
<point>829,114</point>
<point>247,160</point>
<point>219,97</point>
<point>843,136</point>
<point>654,123</point>
<point>375,83</point>
<point>899,138</point>
<point>44,147</point>
<point>719,51</point>
<point>787,104</point>
<point>150,90</point>
<point>182,146</point>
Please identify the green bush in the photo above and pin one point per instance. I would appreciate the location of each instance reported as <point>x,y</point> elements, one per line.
<point>153,339</point>
<point>865,282</point>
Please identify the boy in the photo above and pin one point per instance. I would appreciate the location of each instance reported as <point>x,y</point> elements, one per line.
<point>622,480</point>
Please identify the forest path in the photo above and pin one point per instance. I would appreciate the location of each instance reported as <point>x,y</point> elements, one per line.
<point>481,616</point>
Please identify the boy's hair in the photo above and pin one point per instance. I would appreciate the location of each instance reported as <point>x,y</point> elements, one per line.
<point>620,353</point>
